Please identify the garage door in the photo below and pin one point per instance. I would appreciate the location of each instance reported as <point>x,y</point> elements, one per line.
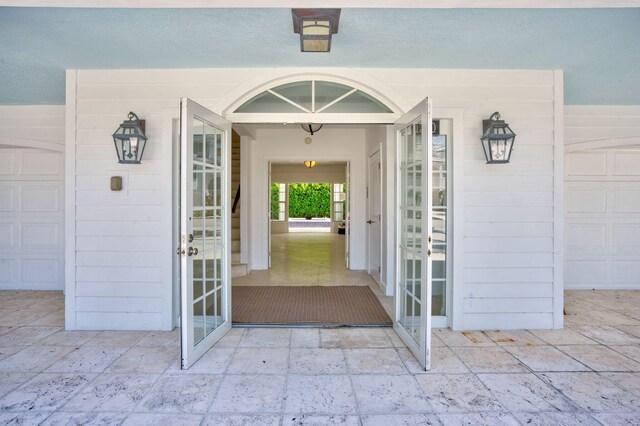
<point>31,219</point>
<point>602,219</point>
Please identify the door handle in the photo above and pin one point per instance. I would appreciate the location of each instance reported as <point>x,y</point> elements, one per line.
<point>369,221</point>
<point>178,251</point>
<point>192,251</point>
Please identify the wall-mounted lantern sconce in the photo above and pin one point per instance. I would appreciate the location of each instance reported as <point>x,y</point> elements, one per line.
<point>315,27</point>
<point>130,140</point>
<point>309,163</point>
<point>497,140</point>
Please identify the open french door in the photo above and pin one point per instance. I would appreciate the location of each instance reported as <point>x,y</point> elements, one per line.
<point>347,217</point>
<point>412,320</point>
<point>205,243</point>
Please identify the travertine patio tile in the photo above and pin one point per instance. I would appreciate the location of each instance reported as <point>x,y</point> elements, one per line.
<point>68,338</point>
<point>214,361</point>
<point>45,392</point>
<point>34,358</point>
<point>241,420</point>
<point>618,419</point>
<point>7,351</point>
<point>546,358</point>
<point>443,360</point>
<point>479,419</point>
<point>565,336</point>
<point>250,394</point>
<point>374,361</point>
<point>181,394</point>
<point>145,360</point>
<point>402,420</point>
<point>145,419</point>
<point>23,418</point>
<point>633,330</point>
<point>10,381</point>
<point>161,338</point>
<point>556,419</point>
<point>266,338</point>
<point>90,359</point>
<point>462,338</point>
<point>112,393</point>
<point>5,330</point>
<point>53,319</point>
<point>117,338</point>
<point>311,420</point>
<point>259,361</point>
<point>380,394</point>
<point>601,358</point>
<point>22,317</point>
<point>231,339</point>
<point>102,419</point>
<point>514,338</point>
<point>628,381</point>
<point>305,338</point>
<point>525,392</point>
<point>329,338</point>
<point>317,361</point>
<point>364,338</point>
<point>457,393</point>
<point>592,392</point>
<point>26,335</point>
<point>327,394</point>
<point>607,335</point>
<point>632,352</point>
<point>489,360</point>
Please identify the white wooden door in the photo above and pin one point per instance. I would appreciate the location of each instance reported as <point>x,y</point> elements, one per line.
<point>412,294</point>
<point>347,216</point>
<point>205,230</point>
<point>269,218</point>
<point>373,222</point>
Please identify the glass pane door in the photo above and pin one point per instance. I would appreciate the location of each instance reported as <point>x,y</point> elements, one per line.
<point>204,230</point>
<point>413,264</point>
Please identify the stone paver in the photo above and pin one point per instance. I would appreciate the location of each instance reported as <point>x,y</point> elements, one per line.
<point>585,374</point>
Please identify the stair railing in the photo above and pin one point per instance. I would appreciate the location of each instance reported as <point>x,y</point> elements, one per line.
<point>236,200</point>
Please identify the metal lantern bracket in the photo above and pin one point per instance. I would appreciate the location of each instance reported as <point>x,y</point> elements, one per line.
<point>130,140</point>
<point>311,128</point>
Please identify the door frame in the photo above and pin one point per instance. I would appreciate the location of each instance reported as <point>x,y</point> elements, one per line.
<point>375,157</point>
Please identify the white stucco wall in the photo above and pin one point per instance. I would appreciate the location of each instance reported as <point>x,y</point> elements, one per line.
<point>119,268</point>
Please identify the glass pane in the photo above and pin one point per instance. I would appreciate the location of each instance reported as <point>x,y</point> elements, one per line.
<point>210,318</point>
<point>198,322</point>
<point>438,298</point>
<point>197,290</point>
<point>358,102</point>
<point>218,191</point>
<point>198,131</point>
<point>210,144</point>
<point>298,92</point>
<point>210,185</point>
<point>267,102</point>
<point>198,188</point>
<point>327,92</point>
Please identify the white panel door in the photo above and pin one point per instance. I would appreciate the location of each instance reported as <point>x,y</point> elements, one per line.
<point>412,319</point>
<point>375,207</point>
<point>31,219</point>
<point>602,219</point>
<point>347,216</point>
<point>205,230</point>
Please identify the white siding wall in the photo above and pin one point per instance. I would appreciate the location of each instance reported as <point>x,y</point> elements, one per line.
<point>602,189</point>
<point>32,197</point>
<point>121,277</point>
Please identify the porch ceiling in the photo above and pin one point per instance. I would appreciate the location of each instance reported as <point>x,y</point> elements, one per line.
<point>596,47</point>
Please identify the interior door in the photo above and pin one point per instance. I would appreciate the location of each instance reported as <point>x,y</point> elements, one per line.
<point>205,243</point>
<point>412,295</point>
<point>375,208</point>
<point>269,218</point>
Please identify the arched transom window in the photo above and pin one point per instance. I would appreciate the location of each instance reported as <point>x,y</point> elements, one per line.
<point>313,97</point>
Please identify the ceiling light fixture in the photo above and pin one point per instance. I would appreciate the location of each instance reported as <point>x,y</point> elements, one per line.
<point>311,128</point>
<point>309,163</point>
<point>315,27</point>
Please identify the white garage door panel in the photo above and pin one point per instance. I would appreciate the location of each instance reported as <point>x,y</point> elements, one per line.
<point>31,219</point>
<point>602,212</point>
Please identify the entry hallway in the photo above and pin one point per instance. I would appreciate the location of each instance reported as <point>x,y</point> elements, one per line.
<point>587,374</point>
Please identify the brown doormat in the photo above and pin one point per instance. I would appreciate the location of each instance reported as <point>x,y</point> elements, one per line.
<point>343,305</point>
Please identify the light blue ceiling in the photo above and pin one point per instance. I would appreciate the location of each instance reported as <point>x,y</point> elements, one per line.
<point>599,49</point>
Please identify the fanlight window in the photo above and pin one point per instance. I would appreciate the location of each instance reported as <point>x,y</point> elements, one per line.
<point>313,97</point>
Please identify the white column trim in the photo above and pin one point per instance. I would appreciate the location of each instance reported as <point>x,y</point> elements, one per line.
<point>70,201</point>
<point>558,199</point>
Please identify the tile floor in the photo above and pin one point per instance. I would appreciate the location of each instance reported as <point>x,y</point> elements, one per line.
<point>585,374</point>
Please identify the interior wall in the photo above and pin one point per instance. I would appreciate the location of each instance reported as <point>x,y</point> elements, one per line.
<point>343,144</point>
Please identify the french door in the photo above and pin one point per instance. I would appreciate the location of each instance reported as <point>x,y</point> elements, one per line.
<point>205,244</point>
<point>412,320</point>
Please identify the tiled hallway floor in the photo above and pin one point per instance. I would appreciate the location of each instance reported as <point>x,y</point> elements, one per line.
<point>585,374</point>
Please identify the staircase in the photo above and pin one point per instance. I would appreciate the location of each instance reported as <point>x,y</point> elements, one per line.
<point>237,269</point>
